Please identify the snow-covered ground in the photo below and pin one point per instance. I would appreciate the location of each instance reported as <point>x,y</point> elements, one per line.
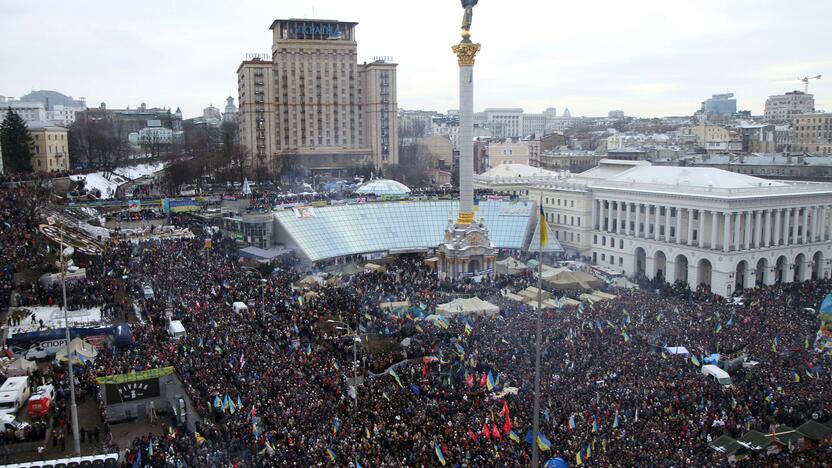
<point>53,317</point>
<point>96,180</point>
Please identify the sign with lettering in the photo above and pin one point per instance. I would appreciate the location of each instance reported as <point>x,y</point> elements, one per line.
<point>317,31</point>
<point>255,56</point>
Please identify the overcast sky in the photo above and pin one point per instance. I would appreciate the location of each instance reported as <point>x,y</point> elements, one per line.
<point>646,57</point>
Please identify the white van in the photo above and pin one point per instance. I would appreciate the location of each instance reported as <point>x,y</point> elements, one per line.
<point>239,307</point>
<point>717,374</point>
<point>176,330</point>
<point>14,394</point>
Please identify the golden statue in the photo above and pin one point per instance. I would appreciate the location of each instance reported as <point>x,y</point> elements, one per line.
<point>467,17</point>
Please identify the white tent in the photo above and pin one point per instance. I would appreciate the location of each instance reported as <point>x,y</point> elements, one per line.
<point>80,350</point>
<point>680,350</point>
<point>20,367</point>
<point>472,305</point>
<point>510,266</point>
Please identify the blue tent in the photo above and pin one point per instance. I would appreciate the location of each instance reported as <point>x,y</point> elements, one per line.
<point>556,462</point>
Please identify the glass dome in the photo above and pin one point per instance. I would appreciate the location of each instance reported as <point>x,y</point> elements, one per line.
<point>383,187</point>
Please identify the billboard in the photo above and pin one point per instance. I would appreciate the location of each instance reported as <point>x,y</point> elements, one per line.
<point>304,212</point>
<point>123,388</point>
<point>179,206</point>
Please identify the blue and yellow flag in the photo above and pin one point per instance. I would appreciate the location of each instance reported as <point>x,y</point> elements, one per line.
<point>489,381</point>
<point>796,377</point>
<point>571,421</point>
<point>579,457</point>
<point>468,329</point>
<point>544,229</point>
<point>331,454</point>
<point>543,443</point>
<point>395,376</point>
<point>594,424</point>
<point>513,436</point>
<point>439,454</point>
<point>695,361</point>
<point>615,421</point>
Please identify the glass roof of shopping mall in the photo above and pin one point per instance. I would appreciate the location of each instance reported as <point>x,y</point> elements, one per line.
<point>336,231</point>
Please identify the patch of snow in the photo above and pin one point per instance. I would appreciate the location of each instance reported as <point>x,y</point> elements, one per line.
<point>107,187</point>
<point>53,317</point>
<point>140,170</point>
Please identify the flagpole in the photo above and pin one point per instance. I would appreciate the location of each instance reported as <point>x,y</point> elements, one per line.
<point>536,431</point>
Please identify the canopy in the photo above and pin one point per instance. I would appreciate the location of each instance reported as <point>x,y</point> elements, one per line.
<point>472,305</point>
<point>530,293</point>
<point>20,367</point>
<point>515,297</point>
<point>373,267</point>
<point>510,266</point>
<point>564,280</point>
<point>680,350</point>
<point>80,350</point>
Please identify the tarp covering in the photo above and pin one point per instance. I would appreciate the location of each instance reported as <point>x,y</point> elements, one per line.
<point>681,350</point>
<point>531,294</point>
<point>510,266</point>
<point>20,367</point>
<point>373,267</point>
<point>474,305</point>
<point>564,279</point>
<point>515,297</point>
<point>80,350</point>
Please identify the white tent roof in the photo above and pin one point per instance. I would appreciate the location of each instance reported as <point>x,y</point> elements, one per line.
<point>472,305</point>
<point>692,177</point>
<point>20,366</point>
<point>381,187</point>
<point>80,349</point>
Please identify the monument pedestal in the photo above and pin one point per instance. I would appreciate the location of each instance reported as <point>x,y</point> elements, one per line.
<point>465,251</point>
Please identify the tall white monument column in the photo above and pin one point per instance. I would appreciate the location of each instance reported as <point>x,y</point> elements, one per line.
<point>465,53</point>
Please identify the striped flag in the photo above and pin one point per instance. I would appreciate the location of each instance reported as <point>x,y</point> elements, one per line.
<point>544,229</point>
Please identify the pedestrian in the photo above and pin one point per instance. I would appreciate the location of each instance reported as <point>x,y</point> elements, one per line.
<point>83,435</point>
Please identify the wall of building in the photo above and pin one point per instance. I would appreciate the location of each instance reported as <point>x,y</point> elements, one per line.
<point>50,149</point>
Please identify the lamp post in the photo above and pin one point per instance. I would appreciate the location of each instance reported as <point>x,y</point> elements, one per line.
<point>355,340</point>
<point>76,443</point>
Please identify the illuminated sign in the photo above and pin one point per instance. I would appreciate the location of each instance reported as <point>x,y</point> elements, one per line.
<point>323,31</point>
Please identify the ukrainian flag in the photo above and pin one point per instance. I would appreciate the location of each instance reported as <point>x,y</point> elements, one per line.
<point>695,361</point>
<point>615,421</point>
<point>490,381</point>
<point>468,329</point>
<point>572,422</point>
<point>579,457</point>
<point>796,377</point>
<point>439,454</point>
<point>331,454</point>
<point>395,376</point>
<point>543,443</point>
<point>513,436</point>
<point>594,424</point>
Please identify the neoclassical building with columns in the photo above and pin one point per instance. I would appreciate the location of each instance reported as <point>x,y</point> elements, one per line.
<point>706,226</point>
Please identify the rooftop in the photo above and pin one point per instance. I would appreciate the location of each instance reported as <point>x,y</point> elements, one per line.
<point>704,177</point>
<point>383,187</point>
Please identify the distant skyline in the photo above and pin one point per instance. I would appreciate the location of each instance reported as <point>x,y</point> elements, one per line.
<point>649,58</point>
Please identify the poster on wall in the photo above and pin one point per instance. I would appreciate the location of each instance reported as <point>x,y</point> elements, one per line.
<point>123,388</point>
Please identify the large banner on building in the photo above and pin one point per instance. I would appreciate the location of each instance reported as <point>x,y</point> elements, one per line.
<point>123,388</point>
<point>304,212</point>
<point>179,206</point>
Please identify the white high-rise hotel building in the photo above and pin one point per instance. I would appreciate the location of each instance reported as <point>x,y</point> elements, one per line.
<point>314,103</point>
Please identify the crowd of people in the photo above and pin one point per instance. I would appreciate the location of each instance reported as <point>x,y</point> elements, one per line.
<point>273,383</point>
<point>611,394</point>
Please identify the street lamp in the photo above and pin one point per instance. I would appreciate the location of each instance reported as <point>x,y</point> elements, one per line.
<point>76,443</point>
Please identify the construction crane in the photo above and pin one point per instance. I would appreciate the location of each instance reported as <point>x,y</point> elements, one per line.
<point>805,81</point>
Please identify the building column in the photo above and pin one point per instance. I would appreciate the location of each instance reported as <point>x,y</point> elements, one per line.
<point>667,226</point>
<point>609,216</point>
<point>795,223</point>
<point>804,237</point>
<point>658,222</point>
<point>627,218</point>
<point>701,232</point>
<point>618,228</point>
<point>767,235</point>
<point>726,231</point>
<point>736,237</point>
<point>758,229</point>
<point>778,228</point>
<point>821,223</point>
<point>786,215</point>
<point>714,229</point>
<point>678,225</point>
<point>594,214</point>
<point>747,235</point>
<point>815,224</point>
<point>690,227</point>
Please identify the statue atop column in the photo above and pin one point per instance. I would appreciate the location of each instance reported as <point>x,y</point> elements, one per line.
<point>467,17</point>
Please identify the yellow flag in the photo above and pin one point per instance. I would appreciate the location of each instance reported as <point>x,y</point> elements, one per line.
<point>544,229</point>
